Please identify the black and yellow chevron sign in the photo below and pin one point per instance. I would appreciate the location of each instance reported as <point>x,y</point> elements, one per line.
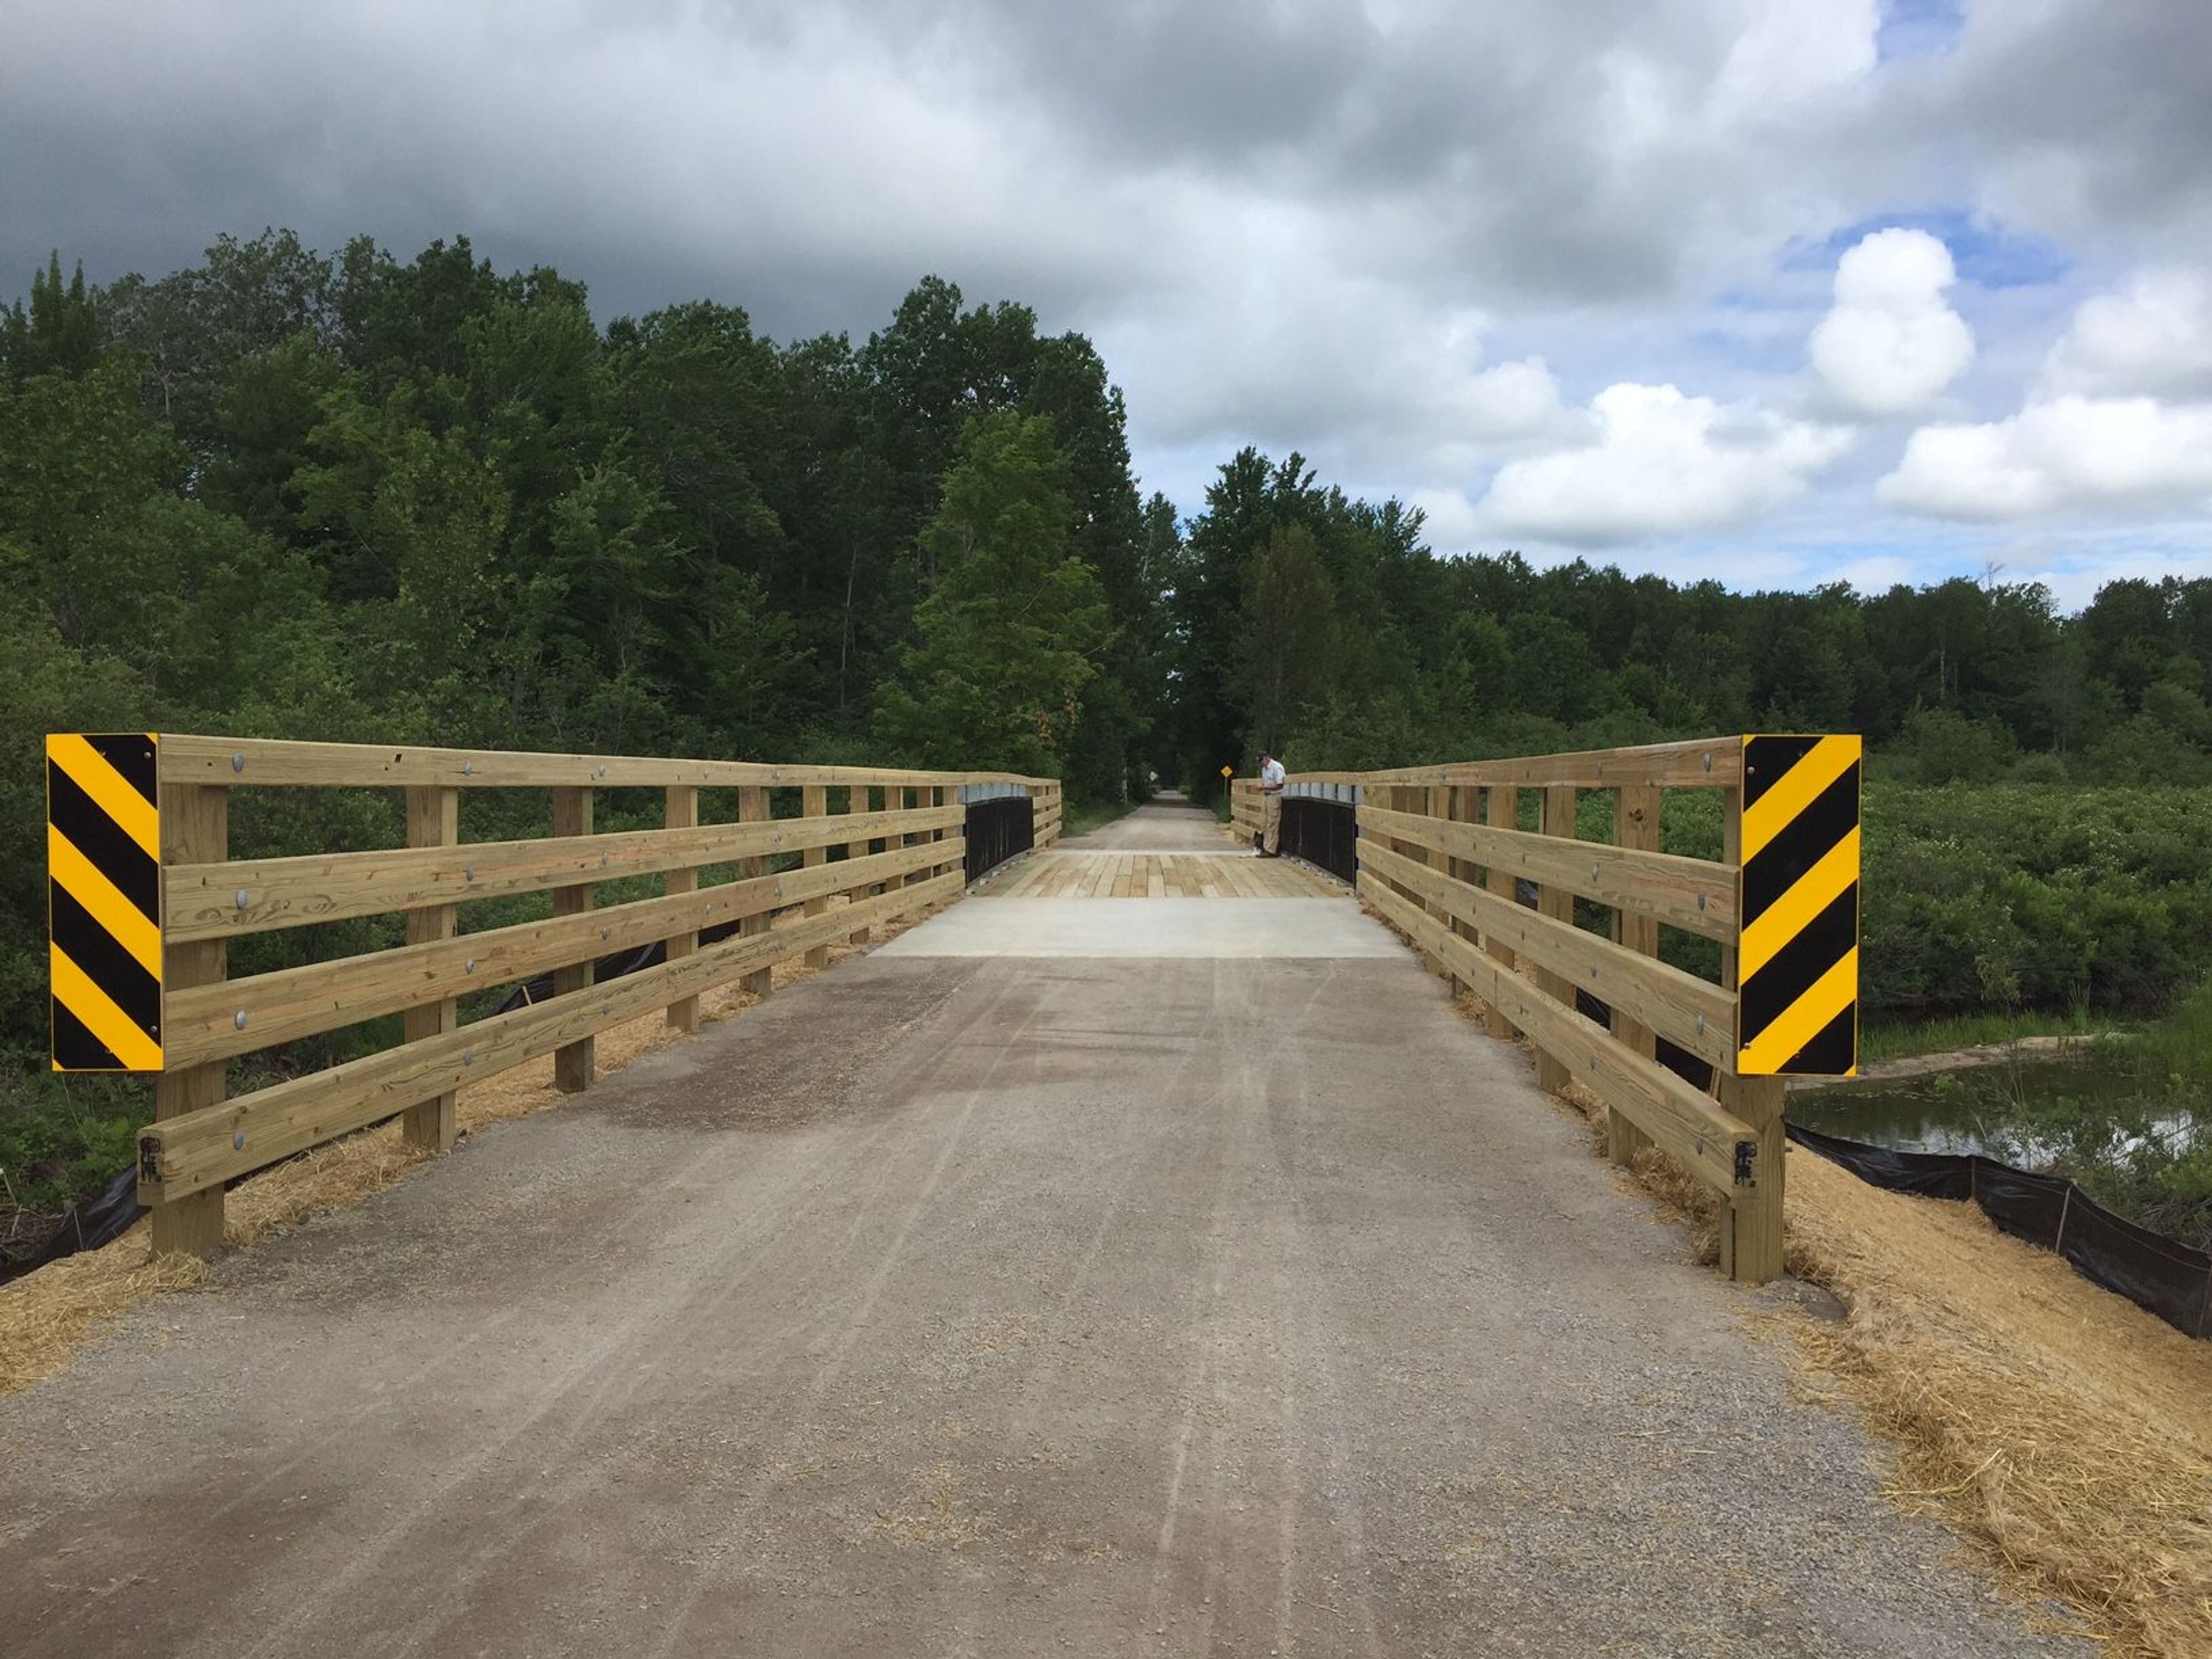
<point>1797,961</point>
<point>104,901</point>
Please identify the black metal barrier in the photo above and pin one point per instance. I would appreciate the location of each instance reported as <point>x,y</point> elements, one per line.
<point>1324,833</point>
<point>2159,1274</point>
<point>998,830</point>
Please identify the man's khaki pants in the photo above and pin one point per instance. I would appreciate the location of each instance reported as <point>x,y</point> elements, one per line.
<point>1271,822</point>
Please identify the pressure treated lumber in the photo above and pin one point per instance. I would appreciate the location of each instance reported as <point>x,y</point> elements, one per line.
<point>201,1149</point>
<point>1720,1148</point>
<point>1693,1012</point>
<point>1695,895</point>
<point>202,900</point>
<point>195,829</point>
<point>255,762</point>
<point>325,996</point>
<point>434,819</point>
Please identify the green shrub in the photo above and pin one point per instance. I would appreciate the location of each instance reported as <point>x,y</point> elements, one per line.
<point>2034,897</point>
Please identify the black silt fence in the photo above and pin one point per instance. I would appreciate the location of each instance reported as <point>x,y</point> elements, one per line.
<point>1324,833</point>
<point>998,830</point>
<point>2159,1274</point>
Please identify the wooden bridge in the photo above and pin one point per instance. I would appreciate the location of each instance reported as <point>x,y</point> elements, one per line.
<point>1137,1254</point>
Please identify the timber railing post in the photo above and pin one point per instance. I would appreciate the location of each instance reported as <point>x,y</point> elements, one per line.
<point>1557,901</point>
<point>434,819</point>
<point>814,803</point>
<point>895,801</point>
<point>1503,811</point>
<point>856,802</point>
<point>1436,803</point>
<point>155,810</point>
<point>195,829</point>
<point>573,1063</point>
<point>1751,1223</point>
<point>753,808</point>
<point>1459,808</point>
<point>682,813</point>
<point>1635,823</point>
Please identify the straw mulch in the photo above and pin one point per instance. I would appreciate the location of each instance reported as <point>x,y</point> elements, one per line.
<point>2065,1433</point>
<point>45,1316</point>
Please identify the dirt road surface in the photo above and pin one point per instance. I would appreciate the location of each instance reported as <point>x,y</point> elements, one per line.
<point>1170,825</point>
<point>980,1304</point>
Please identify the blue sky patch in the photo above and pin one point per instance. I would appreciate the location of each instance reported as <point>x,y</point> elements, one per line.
<point>1988,254</point>
<point>1919,28</point>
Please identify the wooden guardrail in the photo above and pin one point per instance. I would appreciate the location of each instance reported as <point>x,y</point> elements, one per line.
<point>147,900</point>
<point>1443,858</point>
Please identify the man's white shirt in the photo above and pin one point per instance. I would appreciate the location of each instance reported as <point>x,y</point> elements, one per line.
<point>1271,775</point>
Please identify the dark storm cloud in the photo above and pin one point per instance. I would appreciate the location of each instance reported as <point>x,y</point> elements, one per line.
<point>1351,227</point>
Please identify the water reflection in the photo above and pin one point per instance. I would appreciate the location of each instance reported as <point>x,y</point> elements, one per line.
<point>1909,1115</point>
<point>1984,1110</point>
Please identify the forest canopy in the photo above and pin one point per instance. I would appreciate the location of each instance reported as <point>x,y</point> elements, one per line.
<point>362,497</point>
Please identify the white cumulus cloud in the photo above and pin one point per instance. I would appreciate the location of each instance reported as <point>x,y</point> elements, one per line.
<point>1892,341</point>
<point>2153,337</point>
<point>2061,454</point>
<point>1662,464</point>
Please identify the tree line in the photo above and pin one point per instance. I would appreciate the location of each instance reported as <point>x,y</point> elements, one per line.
<point>359,497</point>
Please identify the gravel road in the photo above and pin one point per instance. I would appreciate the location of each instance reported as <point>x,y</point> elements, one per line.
<point>978,1305</point>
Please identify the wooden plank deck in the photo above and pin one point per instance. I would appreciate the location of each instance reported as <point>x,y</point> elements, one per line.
<point>1061,874</point>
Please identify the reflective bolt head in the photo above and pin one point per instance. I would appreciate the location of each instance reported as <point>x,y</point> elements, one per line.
<point>238,1019</point>
<point>238,763</point>
<point>240,899</point>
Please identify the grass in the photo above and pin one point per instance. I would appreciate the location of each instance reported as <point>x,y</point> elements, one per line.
<point>1882,1040</point>
<point>2181,1043</point>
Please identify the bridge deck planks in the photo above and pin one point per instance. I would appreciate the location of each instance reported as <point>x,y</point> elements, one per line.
<point>1061,874</point>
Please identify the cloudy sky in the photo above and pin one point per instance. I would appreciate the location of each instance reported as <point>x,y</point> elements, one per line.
<point>1780,291</point>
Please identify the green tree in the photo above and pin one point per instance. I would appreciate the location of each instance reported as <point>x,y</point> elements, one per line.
<point>1007,637</point>
<point>1282,659</point>
<point>59,334</point>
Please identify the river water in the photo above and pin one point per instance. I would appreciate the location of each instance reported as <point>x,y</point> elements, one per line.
<point>1997,1110</point>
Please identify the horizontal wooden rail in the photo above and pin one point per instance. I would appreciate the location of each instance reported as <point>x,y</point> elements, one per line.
<point>240,1015</point>
<point>201,1149</point>
<point>1679,1119</point>
<point>167,899</point>
<point>229,763</point>
<point>1707,763</point>
<point>1695,895</point>
<point>1443,859</point>
<point>221,901</point>
<point>1693,1013</point>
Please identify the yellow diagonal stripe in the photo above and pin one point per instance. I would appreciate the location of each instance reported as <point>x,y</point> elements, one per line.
<point>1789,915</point>
<point>1804,1020</point>
<point>114,796</point>
<point>1797,789</point>
<point>75,992</point>
<point>90,888</point>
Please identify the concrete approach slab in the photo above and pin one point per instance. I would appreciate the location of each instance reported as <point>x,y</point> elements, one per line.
<point>1278,930</point>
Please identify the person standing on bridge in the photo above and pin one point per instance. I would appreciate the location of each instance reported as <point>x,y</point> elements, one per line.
<point>1271,806</point>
